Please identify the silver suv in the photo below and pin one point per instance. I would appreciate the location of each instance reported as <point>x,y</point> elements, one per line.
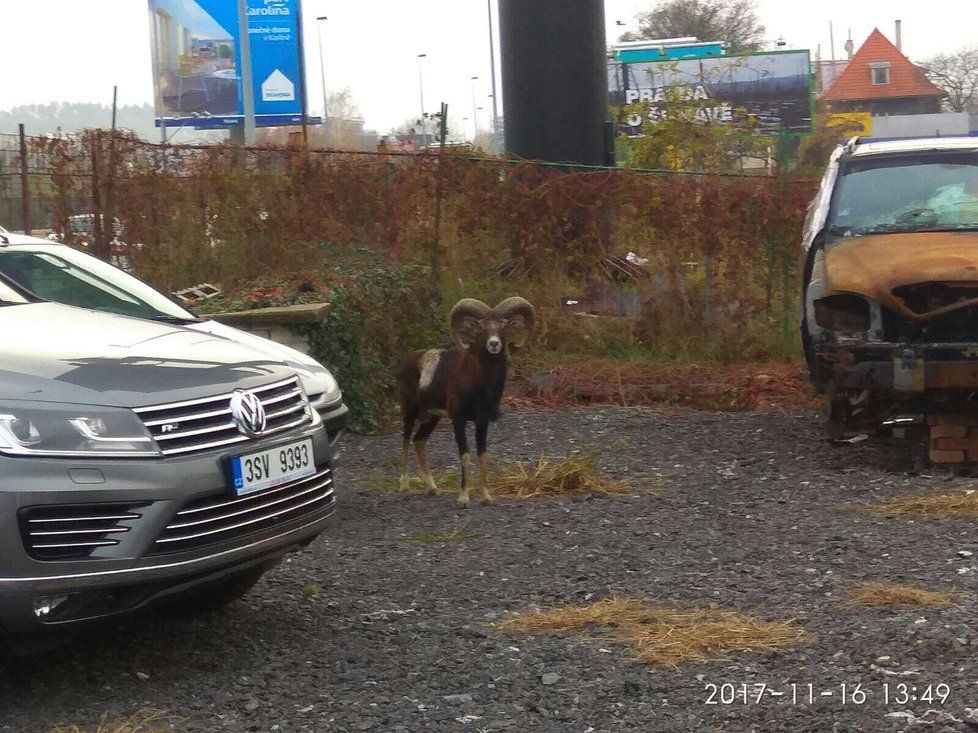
<point>143,461</point>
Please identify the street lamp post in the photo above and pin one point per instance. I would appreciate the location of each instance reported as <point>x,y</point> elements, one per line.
<point>322,70</point>
<point>475,111</point>
<point>492,67</point>
<point>424,122</point>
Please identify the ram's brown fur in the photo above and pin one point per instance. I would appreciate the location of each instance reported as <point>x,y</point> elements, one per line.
<point>464,383</point>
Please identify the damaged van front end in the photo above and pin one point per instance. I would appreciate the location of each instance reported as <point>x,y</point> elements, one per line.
<point>890,319</point>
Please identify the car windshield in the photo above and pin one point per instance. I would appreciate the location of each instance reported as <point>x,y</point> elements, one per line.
<point>64,275</point>
<point>907,193</point>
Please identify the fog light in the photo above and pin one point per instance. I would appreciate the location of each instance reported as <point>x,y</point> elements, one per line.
<point>45,605</point>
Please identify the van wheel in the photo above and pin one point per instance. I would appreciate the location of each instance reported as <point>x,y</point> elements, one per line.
<point>218,596</point>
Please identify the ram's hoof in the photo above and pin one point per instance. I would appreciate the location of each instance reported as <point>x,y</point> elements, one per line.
<point>463,501</point>
<point>403,486</point>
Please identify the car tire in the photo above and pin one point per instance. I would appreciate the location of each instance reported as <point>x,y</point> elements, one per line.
<point>218,596</point>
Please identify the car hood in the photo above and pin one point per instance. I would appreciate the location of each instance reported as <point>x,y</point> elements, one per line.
<point>315,377</point>
<point>58,353</point>
<point>877,265</point>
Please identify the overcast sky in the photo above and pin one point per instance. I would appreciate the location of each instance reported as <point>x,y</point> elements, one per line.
<point>75,50</point>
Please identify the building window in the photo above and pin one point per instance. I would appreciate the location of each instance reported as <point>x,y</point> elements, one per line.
<point>880,72</point>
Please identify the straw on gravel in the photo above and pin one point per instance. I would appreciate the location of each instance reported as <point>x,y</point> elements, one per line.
<point>665,636</point>
<point>882,594</point>
<point>963,504</point>
<point>546,477</point>
<point>144,721</point>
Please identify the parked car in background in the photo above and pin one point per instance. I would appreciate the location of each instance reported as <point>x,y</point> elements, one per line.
<point>890,317</point>
<point>142,461</point>
<point>62,274</point>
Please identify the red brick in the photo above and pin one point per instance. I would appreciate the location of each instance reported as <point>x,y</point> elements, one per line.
<point>947,456</point>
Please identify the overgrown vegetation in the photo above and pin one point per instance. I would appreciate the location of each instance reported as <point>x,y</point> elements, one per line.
<point>885,594</point>
<point>664,636</point>
<point>710,279</point>
<point>960,504</point>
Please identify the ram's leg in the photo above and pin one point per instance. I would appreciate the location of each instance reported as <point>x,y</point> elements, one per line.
<point>463,452</point>
<point>406,454</point>
<point>481,446</point>
<point>421,446</point>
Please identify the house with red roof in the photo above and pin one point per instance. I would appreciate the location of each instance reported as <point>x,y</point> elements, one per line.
<point>881,80</point>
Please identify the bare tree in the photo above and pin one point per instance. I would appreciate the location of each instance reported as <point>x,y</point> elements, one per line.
<point>957,74</point>
<point>734,22</point>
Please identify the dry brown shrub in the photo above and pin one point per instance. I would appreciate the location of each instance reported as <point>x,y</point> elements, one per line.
<point>960,504</point>
<point>712,387</point>
<point>665,636</point>
<point>884,594</point>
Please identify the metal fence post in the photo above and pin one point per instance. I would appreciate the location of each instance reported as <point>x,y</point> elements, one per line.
<point>98,232</point>
<point>25,183</point>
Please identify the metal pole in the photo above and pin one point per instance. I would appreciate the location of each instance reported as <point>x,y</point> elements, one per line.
<point>247,76</point>
<point>424,122</point>
<point>25,183</point>
<point>301,42</point>
<point>475,111</point>
<point>322,71</point>
<point>439,192</point>
<point>492,66</point>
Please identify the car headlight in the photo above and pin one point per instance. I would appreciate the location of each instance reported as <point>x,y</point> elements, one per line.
<point>843,313</point>
<point>54,430</point>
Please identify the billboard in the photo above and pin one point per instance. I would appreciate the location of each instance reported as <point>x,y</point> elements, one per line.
<point>197,61</point>
<point>773,88</point>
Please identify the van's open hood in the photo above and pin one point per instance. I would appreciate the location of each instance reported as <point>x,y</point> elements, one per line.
<point>883,266</point>
<point>57,353</point>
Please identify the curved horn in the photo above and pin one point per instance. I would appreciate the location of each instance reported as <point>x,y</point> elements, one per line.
<point>462,316</point>
<point>518,308</point>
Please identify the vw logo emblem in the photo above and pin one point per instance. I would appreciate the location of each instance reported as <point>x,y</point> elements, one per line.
<point>248,413</point>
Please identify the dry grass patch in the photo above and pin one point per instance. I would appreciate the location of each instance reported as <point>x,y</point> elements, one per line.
<point>145,721</point>
<point>883,594</point>
<point>554,477</point>
<point>665,636</point>
<point>962,504</point>
<point>546,477</point>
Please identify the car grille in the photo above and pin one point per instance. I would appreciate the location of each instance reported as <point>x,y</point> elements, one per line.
<point>215,519</point>
<point>71,532</point>
<point>199,425</point>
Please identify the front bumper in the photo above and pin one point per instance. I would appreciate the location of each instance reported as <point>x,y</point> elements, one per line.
<point>909,369</point>
<point>133,573</point>
<point>335,417</point>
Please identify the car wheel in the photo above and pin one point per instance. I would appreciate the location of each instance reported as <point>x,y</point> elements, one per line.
<point>217,596</point>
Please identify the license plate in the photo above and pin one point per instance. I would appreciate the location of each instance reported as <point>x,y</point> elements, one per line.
<point>273,467</point>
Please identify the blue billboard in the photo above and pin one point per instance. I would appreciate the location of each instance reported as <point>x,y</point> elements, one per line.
<point>196,48</point>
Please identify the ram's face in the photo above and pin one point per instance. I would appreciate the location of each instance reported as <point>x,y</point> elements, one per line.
<point>494,332</point>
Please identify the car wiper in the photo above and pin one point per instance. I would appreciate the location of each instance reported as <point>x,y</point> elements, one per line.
<point>174,320</point>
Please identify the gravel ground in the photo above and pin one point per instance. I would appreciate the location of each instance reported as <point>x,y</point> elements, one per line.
<point>368,632</point>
